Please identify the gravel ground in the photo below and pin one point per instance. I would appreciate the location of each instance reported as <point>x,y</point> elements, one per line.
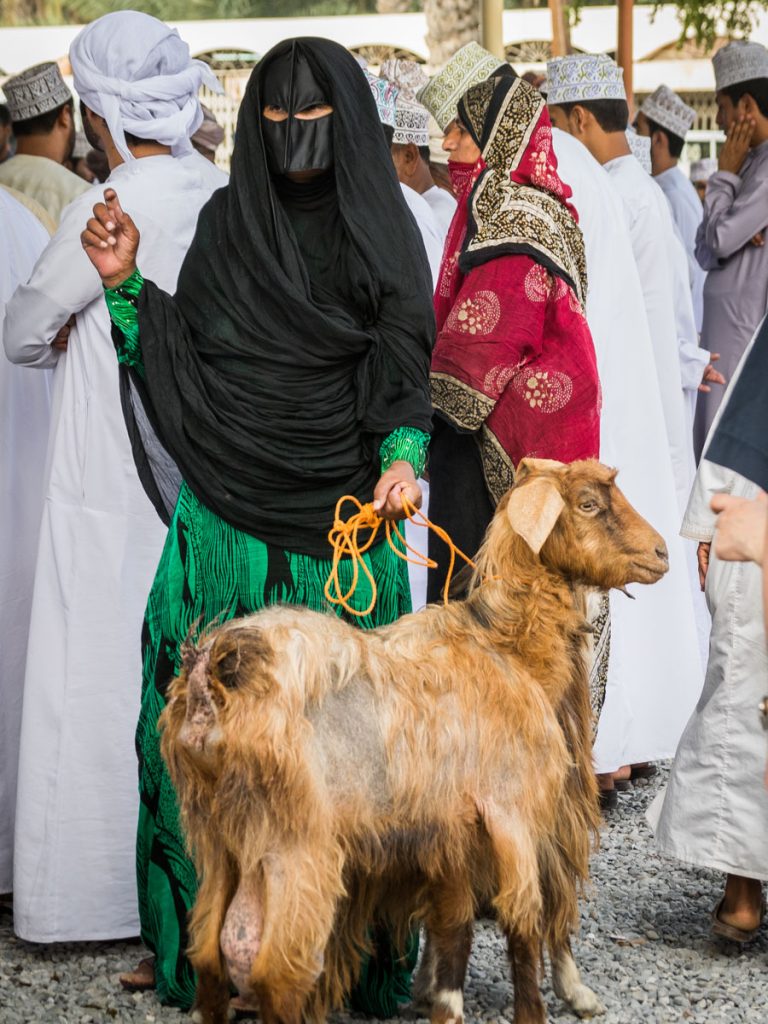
<point>644,947</point>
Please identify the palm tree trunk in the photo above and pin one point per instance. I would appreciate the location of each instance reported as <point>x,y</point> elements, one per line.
<point>450,24</point>
<point>561,31</point>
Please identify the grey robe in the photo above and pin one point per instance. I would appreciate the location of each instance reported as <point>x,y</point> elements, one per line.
<point>736,289</point>
<point>714,812</point>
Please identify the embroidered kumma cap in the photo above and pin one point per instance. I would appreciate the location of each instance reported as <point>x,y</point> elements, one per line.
<point>665,108</point>
<point>385,95</point>
<point>641,148</point>
<point>411,123</point>
<point>582,77</point>
<point>739,61</point>
<point>702,170</point>
<point>407,75</point>
<point>36,91</point>
<point>467,67</point>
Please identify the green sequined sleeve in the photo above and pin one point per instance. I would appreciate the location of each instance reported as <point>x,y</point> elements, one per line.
<point>406,444</point>
<point>122,306</point>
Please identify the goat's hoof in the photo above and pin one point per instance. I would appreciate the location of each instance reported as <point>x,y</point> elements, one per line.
<point>584,1002</point>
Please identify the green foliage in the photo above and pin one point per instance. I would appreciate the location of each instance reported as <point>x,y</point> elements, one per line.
<point>705,21</point>
<point>700,20</point>
<point>51,12</point>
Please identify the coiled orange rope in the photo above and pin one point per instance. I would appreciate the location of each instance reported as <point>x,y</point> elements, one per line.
<point>344,539</point>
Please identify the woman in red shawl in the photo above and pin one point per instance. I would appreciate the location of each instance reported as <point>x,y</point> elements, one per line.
<point>514,373</point>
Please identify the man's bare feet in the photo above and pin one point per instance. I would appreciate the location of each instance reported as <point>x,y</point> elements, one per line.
<point>142,979</point>
<point>743,903</point>
<point>741,910</point>
<point>608,797</point>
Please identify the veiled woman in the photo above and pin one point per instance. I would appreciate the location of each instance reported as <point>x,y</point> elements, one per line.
<point>290,368</point>
<point>514,371</point>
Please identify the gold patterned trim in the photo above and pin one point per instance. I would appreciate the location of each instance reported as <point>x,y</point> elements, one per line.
<point>511,133</point>
<point>498,468</point>
<point>510,214</point>
<point>463,405</point>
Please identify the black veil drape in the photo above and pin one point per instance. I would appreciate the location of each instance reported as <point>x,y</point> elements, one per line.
<point>271,403</point>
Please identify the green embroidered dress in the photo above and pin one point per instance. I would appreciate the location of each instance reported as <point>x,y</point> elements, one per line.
<point>210,572</point>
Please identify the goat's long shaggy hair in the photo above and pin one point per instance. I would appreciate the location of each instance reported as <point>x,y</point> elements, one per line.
<point>331,777</point>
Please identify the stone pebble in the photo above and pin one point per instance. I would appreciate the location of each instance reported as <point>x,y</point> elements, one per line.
<point>644,946</point>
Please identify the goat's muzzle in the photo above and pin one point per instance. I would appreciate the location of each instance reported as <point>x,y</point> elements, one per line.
<point>650,568</point>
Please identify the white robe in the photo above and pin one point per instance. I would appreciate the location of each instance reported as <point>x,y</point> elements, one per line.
<point>427,224</point>
<point>693,358</point>
<point>433,235</point>
<point>443,206</point>
<point>652,235</point>
<point>25,405</point>
<point>687,213</point>
<point>654,671</point>
<point>100,541</point>
<point>714,812</point>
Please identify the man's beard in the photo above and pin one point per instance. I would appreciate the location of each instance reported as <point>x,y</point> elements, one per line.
<point>90,133</point>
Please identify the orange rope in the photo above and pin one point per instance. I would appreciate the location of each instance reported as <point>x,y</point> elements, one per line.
<point>344,539</point>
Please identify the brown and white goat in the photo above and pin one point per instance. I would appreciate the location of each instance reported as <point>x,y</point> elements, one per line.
<point>331,777</point>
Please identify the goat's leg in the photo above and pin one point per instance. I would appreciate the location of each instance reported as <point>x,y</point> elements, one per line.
<point>211,998</point>
<point>568,985</point>
<point>425,979</point>
<point>451,951</point>
<point>284,1008</point>
<point>524,959</point>
<point>449,941</point>
<point>206,922</point>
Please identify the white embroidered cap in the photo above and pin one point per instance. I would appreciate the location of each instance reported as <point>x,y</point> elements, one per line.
<point>702,170</point>
<point>467,67</point>
<point>665,108</point>
<point>36,91</point>
<point>411,123</point>
<point>407,75</point>
<point>385,95</point>
<point>641,148</point>
<point>739,61</point>
<point>584,76</point>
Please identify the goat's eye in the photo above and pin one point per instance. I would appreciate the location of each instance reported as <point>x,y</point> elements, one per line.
<point>589,506</point>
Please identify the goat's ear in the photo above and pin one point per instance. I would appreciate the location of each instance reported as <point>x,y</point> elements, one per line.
<point>533,510</point>
<point>526,466</point>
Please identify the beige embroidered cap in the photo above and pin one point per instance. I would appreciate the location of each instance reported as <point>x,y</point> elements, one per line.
<point>467,67</point>
<point>36,91</point>
<point>665,108</point>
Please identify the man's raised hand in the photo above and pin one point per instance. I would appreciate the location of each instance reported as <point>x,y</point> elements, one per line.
<point>111,240</point>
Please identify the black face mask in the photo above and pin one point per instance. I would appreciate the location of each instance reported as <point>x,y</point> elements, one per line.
<point>294,144</point>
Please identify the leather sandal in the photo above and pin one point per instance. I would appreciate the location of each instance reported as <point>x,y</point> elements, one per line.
<point>142,979</point>
<point>643,771</point>
<point>731,932</point>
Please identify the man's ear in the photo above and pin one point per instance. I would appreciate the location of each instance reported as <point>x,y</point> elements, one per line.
<point>66,116</point>
<point>533,509</point>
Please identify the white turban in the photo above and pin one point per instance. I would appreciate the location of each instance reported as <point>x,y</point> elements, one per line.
<point>136,73</point>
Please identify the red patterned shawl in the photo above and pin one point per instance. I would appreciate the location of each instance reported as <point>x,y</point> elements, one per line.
<point>514,359</point>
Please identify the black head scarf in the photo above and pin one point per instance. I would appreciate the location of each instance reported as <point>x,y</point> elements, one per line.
<point>272,397</point>
<point>740,440</point>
